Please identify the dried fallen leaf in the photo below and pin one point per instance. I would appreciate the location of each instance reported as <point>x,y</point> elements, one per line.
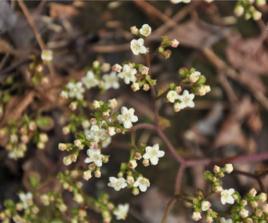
<point>248,55</point>
<point>198,35</point>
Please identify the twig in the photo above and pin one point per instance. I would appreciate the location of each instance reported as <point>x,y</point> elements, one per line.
<point>168,207</point>
<point>30,20</point>
<point>179,177</point>
<point>37,35</point>
<point>221,65</point>
<point>253,176</point>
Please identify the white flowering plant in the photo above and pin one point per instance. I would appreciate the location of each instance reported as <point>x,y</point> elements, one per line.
<point>248,207</point>
<point>87,140</point>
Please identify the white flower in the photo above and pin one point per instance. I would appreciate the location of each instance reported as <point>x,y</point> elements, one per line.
<point>75,90</point>
<point>196,216</point>
<point>179,1</point>
<point>224,220</point>
<point>145,30</point>
<point>227,196</point>
<point>128,74</point>
<point>90,80</point>
<point>228,168</point>
<point>117,183</point>
<point>205,205</point>
<point>94,156</point>
<point>194,76</point>
<point>172,96</point>
<point>127,117</point>
<point>97,135</point>
<point>121,211</point>
<point>142,183</point>
<point>244,213</point>
<point>26,199</point>
<point>137,46</point>
<point>153,154</point>
<point>186,100</point>
<point>47,55</point>
<point>110,81</point>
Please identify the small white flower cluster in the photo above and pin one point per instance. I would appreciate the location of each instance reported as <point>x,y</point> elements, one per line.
<point>251,207</point>
<point>137,45</point>
<point>185,99</point>
<point>20,210</point>
<point>141,183</point>
<point>19,136</point>
<point>165,45</point>
<point>97,134</point>
<point>181,101</point>
<point>26,199</point>
<point>134,179</point>
<point>99,76</point>
<point>247,9</point>
<point>135,74</point>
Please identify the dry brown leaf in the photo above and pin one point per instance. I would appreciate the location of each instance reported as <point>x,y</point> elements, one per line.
<point>231,132</point>
<point>248,55</point>
<point>5,47</point>
<point>252,81</point>
<point>196,34</point>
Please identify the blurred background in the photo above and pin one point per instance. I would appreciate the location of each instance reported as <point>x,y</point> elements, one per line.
<point>230,121</point>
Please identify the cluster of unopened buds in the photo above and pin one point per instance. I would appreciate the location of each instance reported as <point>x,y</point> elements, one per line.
<point>23,211</point>
<point>18,138</point>
<point>247,8</point>
<point>250,208</point>
<point>180,96</point>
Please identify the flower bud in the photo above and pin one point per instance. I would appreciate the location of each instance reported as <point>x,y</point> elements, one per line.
<point>132,164</point>
<point>87,174</point>
<point>196,216</point>
<point>47,55</point>
<point>97,173</point>
<point>134,30</point>
<point>145,162</point>
<point>244,213</point>
<point>117,68</point>
<point>205,205</point>
<point>174,43</point>
<point>146,87</point>
<point>263,197</point>
<point>62,146</point>
<point>252,192</point>
<point>228,168</point>
<point>135,86</point>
